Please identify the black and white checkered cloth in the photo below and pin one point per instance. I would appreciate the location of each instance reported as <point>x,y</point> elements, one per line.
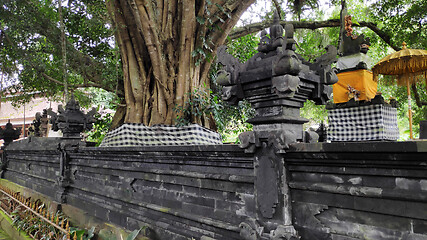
<point>134,134</point>
<point>363,123</point>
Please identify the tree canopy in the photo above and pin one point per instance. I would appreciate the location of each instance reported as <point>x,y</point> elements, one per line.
<point>152,54</point>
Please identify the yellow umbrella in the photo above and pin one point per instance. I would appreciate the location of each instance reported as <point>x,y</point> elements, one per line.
<point>407,65</point>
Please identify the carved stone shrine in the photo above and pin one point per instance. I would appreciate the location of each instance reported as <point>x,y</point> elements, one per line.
<point>276,82</point>
<point>71,121</point>
<point>40,125</point>
<point>359,113</point>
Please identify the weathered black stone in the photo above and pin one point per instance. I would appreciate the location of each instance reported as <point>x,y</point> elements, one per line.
<point>71,121</point>
<point>423,129</point>
<point>8,134</point>
<point>335,188</point>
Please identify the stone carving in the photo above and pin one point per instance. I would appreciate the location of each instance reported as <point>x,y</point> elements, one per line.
<point>289,34</point>
<point>276,33</point>
<point>40,125</point>
<point>322,65</point>
<point>264,42</point>
<point>285,86</point>
<point>311,137</point>
<point>71,121</point>
<point>287,63</point>
<point>227,77</point>
<point>284,233</point>
<point>248,141</point>
<point>44,123</point>
<point>277,81</point>
<point>322,132</point>
<point>267,183</point>
<point>281,140</point>
<point>306,222</point>
<point>250,230</point>
<point>232,66</point>
<point>8,134</point>
<point>64,179</point>
<point>230,94</point>
<point>349,43</point>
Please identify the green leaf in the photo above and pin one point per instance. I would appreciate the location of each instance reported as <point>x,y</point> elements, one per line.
<point>90,233</point>
<point>200,20</point>
<point>133,234</point>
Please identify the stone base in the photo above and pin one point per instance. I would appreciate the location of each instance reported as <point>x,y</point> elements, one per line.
<point>366,123</point>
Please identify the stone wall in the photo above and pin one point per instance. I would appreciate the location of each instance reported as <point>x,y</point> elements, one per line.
<point>346,191</point>
<point>371,190</point>
<point>179,192</point>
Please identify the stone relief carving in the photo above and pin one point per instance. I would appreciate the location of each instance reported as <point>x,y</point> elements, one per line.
<point>250,230</point>
<point>284,233</point>
<point>248,141</point>
<point>285,86</point>
<point>305,221</point>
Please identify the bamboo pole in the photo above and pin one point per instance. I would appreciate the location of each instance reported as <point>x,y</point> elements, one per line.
<point>409,109</point>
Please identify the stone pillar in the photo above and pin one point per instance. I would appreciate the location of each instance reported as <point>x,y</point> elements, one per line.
<point>423,129</point>
<point>276,82</point>
<point>71,121</point>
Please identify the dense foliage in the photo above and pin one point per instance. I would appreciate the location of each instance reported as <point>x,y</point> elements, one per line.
<point>30,50</point>
<point>31,47</point>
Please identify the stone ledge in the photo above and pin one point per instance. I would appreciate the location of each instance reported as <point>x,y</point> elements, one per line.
<point>361,147</point>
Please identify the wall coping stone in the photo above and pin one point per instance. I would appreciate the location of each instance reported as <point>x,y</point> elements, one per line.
<point>369,146</point>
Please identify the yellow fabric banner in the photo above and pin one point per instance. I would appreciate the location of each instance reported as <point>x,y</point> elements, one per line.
<point>358,83</point>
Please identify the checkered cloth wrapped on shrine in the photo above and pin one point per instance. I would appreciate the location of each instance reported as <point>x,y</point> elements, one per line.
<point>133,134</point>
<point>363,123</point>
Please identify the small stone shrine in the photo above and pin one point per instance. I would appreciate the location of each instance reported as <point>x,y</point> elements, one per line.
<point>355,80</point>
<point>40,125</point>
<point>71,121</point>
<point>276,82</point>
<point>359,113</point>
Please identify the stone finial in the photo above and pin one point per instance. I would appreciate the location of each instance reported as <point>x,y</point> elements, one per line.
<point>276,30</point>
<point>289,35</point>
<point>350,43</point>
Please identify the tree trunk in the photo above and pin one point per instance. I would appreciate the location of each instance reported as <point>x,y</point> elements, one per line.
<point>163,46</point>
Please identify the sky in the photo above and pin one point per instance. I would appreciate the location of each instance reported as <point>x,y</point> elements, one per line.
<point>257,10</point>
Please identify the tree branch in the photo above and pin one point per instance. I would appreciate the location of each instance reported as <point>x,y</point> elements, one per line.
<point>417,96</point>
<point>50,78</point>
<point>87,84</point>
<point>256,27</point>
<point>278,9</point>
